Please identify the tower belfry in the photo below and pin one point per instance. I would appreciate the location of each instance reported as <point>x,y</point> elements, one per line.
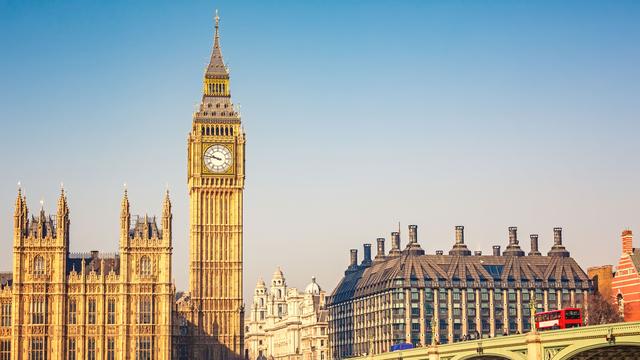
<point>215,170</point>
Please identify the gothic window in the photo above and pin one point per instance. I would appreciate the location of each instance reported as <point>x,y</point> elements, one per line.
<point>143,348</point>
<point>5,349</point>
<point>620,299</point>
<point>145,266</point>
<point>5,316</point>
<point>38,314</point>
<point>111,311</point>
<point>73,311</point>
<point>38,265</point>
<point>91,348</point>
<point>111,348</point>
<point>71,349</point>
<point>144,311</point>
<point>38,349</point>
<point>91,312</point>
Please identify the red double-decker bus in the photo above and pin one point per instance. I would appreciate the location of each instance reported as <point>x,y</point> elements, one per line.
<point>559,319</point>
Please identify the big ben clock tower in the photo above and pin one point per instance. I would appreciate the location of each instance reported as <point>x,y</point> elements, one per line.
<point>216,182</point>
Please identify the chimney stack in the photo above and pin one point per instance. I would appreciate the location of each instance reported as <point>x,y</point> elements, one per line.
<point>459,234</point>
<point>413,247</point>
<point>367,255</point>
<point>380,243</point>
<point>534,245</point>
<point>459,248</point>
<point>413,234</point>
<point>513,249</point>
<point>496,250</point>
<point>513,235</point>
<point>557,236</point>
<point>439,252</point>
<point>354,258</point>
<point>627,242</point>
<point>395,244</point>
<point>477,253</point>
<point>558,249</point>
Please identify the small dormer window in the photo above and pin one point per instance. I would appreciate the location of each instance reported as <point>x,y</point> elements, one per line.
<point>38,265</point>
<point>145,266</point>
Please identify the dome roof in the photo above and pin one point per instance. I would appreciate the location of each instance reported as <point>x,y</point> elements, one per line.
<point>261,283</point>
<point>313,287</point>
<point>278,274</point>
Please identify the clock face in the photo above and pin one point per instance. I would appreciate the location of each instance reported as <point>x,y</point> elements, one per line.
<point>218,159</point>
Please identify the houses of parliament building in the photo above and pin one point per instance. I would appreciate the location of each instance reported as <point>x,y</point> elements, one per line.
<point>60,305</point>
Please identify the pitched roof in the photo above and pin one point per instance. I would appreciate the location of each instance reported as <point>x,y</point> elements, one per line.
<point>422,271</point>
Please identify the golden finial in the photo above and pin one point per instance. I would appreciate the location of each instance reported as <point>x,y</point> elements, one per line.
<point>217,18</point>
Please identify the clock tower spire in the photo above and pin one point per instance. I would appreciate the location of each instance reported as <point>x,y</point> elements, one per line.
<point>215,168</point>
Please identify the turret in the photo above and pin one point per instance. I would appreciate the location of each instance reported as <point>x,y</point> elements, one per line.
<point>558,249</point>
<point>20,218</point>
<point>125,220</point>
<point>513,249</point>
<point>63,222</point>
<point>167,218</point>
<point>459,248</point>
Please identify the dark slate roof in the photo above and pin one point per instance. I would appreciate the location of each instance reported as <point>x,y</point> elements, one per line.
<point>144,227</point>
<point>93,261</point>
<point>432,270</point>
<point>6,278</point>
<point>635,258</point>
<point>347,286</point>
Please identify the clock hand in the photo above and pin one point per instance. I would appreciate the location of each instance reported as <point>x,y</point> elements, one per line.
<point>212,156</point>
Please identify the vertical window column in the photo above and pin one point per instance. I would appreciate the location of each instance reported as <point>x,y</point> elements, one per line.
<point>492,314</point>
<point>450,315</point>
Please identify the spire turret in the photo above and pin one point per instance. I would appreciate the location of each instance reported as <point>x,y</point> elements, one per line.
<point>167,217</point>
<point>20,215</point>
<point>63,208</point>
<point>125,219</point>
<point>63,218</point>
<point>216,68</point>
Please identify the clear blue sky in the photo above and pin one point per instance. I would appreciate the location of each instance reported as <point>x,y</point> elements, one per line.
<point>358,115</point>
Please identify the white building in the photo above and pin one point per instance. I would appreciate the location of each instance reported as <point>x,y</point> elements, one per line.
<point>285,323</point>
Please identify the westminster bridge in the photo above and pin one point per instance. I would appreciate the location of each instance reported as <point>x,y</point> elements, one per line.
<point>619,341</point>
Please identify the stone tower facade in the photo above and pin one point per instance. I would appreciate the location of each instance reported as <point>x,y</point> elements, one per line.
<point>58,305</point>
<point>212,311</point>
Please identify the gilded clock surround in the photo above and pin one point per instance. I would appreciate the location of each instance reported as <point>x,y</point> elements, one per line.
<point>230,146</point>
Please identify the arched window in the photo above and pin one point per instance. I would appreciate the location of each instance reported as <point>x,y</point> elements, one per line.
<point>620,299</point>
<point>38,265</point>
<point>145,266</point>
